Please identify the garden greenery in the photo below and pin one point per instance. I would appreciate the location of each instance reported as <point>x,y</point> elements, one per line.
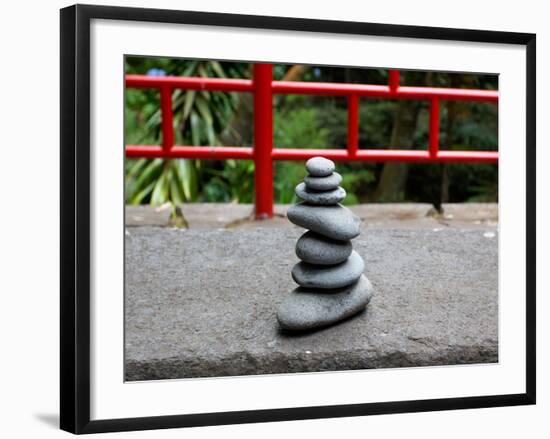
<point>218,118</point>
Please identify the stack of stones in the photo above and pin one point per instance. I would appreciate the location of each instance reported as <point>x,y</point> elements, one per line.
<point>331,283</point>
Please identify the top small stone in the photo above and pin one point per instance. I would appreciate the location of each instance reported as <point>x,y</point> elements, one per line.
<point>320,167</point>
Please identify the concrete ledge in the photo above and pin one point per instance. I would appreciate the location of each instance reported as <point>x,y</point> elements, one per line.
<point>202,303</point>
<point>145,215</point>
<point>377,216</point>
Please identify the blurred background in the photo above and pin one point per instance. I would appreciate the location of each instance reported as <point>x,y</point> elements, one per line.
<point>303,121</point>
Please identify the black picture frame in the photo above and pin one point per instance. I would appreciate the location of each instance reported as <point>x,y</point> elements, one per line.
<point>75,217</point>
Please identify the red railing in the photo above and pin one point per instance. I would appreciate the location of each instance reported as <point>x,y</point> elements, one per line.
<point>263,153</point>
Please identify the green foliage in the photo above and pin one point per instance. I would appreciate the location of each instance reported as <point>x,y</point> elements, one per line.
<point>205,118</point>
<point>287,176</point>
<point>234,182</point>
<point>474,182</point>
<point>476,128</point>
<point>295,127</point>
<point>160,181</point>
<point>302,126</point>
<point>199,118</point>
<point>299,128</point>
<point>355,183</point>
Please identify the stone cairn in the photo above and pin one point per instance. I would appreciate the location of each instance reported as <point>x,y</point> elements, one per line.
<point>331,282</point>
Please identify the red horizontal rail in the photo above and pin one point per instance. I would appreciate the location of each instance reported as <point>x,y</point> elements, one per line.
<point>468,156</point>
<point>386,155</point>
<point>263,153</point>
<point>313,88</point>
<point>384,91</point>
<point>381,155</point>
<point>189,83</point>
<point>449,94</point>
<point>196,152</point>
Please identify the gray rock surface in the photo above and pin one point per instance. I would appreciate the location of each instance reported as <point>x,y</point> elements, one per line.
<point>191,310</point>
<point>373,216</point>
<point>215,215</point>
<point>327,277</point>
<point>320,167</point>
<point>336,222</point>
<point>145,215</point>
<point>305,309</point>
<point>328,183</point>
<point>324,198</point>
<point>320,250</point>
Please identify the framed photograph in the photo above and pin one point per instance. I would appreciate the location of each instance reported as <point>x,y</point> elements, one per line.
<point>275,218</point>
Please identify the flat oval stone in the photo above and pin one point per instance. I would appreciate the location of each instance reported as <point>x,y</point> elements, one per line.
<point>320,166</point>
<point>318,249</point>
<point>325,198</point>
<point>305,309</point>
<point>323,183</point>
<point>329,277</point>
<point>336,222</point>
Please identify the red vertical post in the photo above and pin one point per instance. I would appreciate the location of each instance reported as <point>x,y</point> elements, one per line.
<point>434,128</point>
<point>394,80</point>
<point>353,125</point>
<point>263,140</point>
<point>167,118</point>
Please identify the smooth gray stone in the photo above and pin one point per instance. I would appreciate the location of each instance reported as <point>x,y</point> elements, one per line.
<point>336,222</point>
<point>320,166</point>
<point>325,198</point>
<point>329,277</point>
<point>305,309</point>
<point>323,183</point>
<point>318,249</point>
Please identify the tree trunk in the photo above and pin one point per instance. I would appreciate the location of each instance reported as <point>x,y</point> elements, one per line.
<point>449,130</point>
<point>296,72</point>
<point>445,178</point>
<point>239,131</point>
<point>391,186</point>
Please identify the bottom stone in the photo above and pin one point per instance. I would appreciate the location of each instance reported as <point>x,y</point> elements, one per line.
<point>307,309</point>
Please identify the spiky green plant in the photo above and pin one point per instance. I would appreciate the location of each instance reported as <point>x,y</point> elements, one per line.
<point>200,117</point>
